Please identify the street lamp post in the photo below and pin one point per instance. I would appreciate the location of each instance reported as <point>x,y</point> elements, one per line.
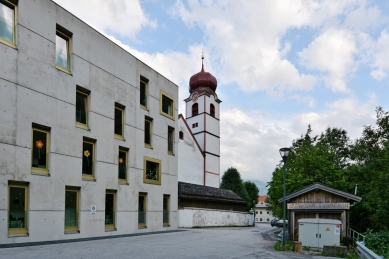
<point>284,152</point>
<point>254,211</point>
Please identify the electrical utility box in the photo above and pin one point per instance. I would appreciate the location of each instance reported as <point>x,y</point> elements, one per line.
<point>319,232</point>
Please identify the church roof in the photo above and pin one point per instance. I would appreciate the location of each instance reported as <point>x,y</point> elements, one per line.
<point>319,186</point>
<point>201,192</point>
<point>202,82</point>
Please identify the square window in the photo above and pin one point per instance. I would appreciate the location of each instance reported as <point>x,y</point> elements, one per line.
<point>17,204</point>
<point>122,167</point>
<point>82,109</point>
<point>142,210</point>
<point>170,140</point>
<point>71,209</point>
<point>148,132</point>
<point>260,212</point>
<point>166,210</point>
<point>62,49</point>
<point>88,159</point>
<point>110,209</point>
<point>40,151</point>
<point>8,23</point>
<point>143,92</point>
<point>152,171</point>
<point>167,105</point>
<point>119,122</point>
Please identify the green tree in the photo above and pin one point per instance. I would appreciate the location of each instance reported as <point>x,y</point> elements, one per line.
<point>370,170</point>
<point>231,180</point>
<point>252,191</point>
<point>322,159</point>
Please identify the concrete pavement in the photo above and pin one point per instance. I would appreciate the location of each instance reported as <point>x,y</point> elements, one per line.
<point>248,242</point>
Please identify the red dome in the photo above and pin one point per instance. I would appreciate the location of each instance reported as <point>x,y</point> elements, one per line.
<point>202,81</point>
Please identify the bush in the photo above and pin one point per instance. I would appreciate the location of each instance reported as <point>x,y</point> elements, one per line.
<point>378,242</point>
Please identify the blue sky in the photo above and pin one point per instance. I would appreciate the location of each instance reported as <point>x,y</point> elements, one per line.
<point>280,65</point>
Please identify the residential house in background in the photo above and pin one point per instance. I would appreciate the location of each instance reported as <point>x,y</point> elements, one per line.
<point>262,214</point>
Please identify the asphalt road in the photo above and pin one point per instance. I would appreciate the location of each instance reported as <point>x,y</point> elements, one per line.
<point>245,242</point>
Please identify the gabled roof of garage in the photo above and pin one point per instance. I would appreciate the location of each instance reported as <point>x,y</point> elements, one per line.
<point>319,186</point>
<point>201,192</point>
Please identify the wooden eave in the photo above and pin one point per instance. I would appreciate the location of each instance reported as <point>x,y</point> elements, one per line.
<point>318,186</point>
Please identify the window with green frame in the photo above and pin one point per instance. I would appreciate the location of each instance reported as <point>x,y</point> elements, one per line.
<point>142,210</point>
<point>40,151</point>
<point>17,208</point>
<point>8,23</point>
<point>110,210</point>
<point>71,209</point>
<point>122,167</point>
<point>88,159</point>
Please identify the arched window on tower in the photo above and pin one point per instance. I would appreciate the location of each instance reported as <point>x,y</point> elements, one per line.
<point>195,109</point>
<point>212,110</point>
<point>181,135</point>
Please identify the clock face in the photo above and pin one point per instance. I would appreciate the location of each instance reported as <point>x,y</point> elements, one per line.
<point>195,97</point>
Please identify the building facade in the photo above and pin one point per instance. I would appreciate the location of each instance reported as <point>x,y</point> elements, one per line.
<point>88,137</point>
<point>318,201</point>
<point>201,203</point>
<point>262,214</point>
<point>201,126</point>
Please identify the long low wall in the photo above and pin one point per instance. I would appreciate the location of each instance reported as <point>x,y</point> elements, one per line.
<point>192,217</point>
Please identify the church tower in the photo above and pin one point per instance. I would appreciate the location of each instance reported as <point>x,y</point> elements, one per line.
<point>203,118</point>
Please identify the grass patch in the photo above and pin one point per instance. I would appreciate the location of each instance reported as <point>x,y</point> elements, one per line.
<point>287,247</point>
<point>277,232</point>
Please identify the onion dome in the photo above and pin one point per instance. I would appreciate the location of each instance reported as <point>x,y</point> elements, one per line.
<point>202,81</point>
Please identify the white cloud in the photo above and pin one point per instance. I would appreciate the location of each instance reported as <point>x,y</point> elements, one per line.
<point>305,99</point>
<point>380,56</point>
<point>333,53</point>
<point>364,17</point>
<point>123,17</point>
<point>250,140</point>
<point>246,40</point>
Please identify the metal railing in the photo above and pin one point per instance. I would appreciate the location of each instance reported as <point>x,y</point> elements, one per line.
<point>355,236</point>
<point>366,253</point>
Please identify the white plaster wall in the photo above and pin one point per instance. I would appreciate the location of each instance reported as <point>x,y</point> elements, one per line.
<point>196,119</point>
<point>212,164</point>
<point>213,144</point>
<point>212,180</point>
<point>266,218</point>
<point>191,217</point>
<point>190,159</point>
<point>200,101</point>
<point>37,92</point>
<point>212,125</point>
<point>212,100</point>
<point>200,140</point>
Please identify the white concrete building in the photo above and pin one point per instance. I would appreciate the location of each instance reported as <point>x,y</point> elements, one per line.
<point>262,213</point>
<point>87,132</point>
